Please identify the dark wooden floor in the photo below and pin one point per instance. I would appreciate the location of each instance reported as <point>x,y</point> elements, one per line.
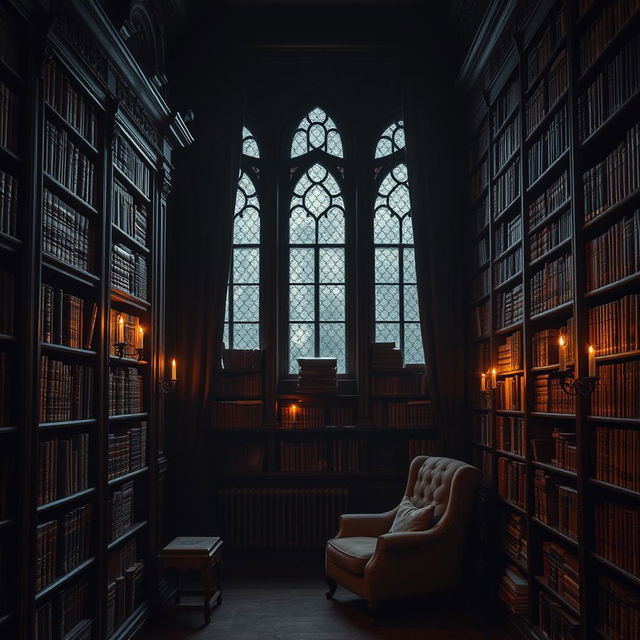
<point>267,597</point>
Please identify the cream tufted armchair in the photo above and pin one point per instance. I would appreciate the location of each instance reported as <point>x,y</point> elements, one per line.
<point>377,565</point>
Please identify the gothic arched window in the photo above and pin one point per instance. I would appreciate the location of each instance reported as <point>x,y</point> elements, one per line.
<point>397,317</point>
<point>316,245</point>
<point>242,314</point>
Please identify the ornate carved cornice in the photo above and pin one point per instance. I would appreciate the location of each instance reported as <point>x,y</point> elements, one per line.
<point>136,110</point>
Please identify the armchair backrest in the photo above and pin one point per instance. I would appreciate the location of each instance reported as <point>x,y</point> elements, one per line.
<point>431,481</point>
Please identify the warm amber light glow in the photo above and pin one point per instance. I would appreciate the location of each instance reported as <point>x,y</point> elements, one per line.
<point>562,341</point>
<point>494,378</point>
<point>140,338</point>
<point>120,329</point>
<point>592,362</point>
<point>562,352</point>
<point>174,376</point>
<point>483,382</point>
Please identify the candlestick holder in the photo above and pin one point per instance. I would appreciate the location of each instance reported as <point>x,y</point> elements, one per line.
<point>140,352</point>
<point>120,349</point>
<point>573,386</point>
<point>167,386</point>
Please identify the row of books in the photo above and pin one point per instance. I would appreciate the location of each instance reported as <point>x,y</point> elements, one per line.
<point>614,85</point>
<point>483,460</point>
<point>317,375</point>
<point>402,415</point>
<point>126,395</point>
<point>123,328</point>
<point>512,481</point>
<point>124,585</point>
<point>510,393</point>
<point>8,204</point>
<point>617,528</point>
<point>45,629</point>
<point>613,17</point>
<point>618,612</point>
<point>514,591</point>
<point>60,93</point>
<point>551,235</point>
<point>481,252</point>
<point>482,356</point>
<point>483,431</point>
<point>561,572</point>
<point>507,144</point>
<point>617,393</point>
<point>232,386</point>
<point>73,611</point>
<point>549,201</point>
<point>514,538</point>
<point>506,188</point>
<point>400,385</point>
<point>66,163</point>
<point>61,546</point>
<point>131,164</point>
<point>66,391</point>
<point>560,450</point>
<point>541,52</point>
<point>614,178</point>
<point>509,307</point>
<point>7,302</point>
<point>423,447</point>
<point>548,396</point>
<point>556,505</point>
<point>242,359</point>
<point>614,327</point>
<point>6,376</point>
<point>510,353</point>
<point>129,271</point>
<point>481,215</point>
<point>552,285</point>
<point>121,506</point>
<point>547,93</point>
<point>127,450</point>
<point>510,434</point>
<point>320,455</point>
<point>545,344</point>
<point>63,467</point>
<point>507,267</point>
<point>615,254</point>
<point>507,234</point>
<point>298,417</point>
<point>504,106</point>
<point>555,622</point>
<point>237,413</point>
<point>67,234</point>
<point>128,215</point>
<point>480,319</point>
<point>65,320</point>
<point>9,116</point>
<point>549,146</point>
<point>617,456</point>
<point>481,285</point>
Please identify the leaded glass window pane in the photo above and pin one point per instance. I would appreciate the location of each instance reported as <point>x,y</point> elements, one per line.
<point>316,131</point>
<point>246,335</point>
<point>317,290</point>
<point>246,265</point>
<point>246,303</point>
<point>391,140</point>
<point>397,314</point>
<point>249,144</point>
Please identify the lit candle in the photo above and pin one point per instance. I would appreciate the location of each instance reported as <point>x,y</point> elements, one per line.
<point>483,382</point>
<point>140,338</point>
<point>494,379</point>
<point>174,376</point>
<point>562,352</point>
<point>294,412</point>
<point>120,330</point>
<point>592,362</point>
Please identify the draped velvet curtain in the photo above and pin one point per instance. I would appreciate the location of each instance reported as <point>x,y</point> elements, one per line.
<point>199,252</point>
<point>433,141</point>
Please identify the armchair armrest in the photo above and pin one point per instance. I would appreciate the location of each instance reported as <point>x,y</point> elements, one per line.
<point>408,540</point>
<point>370,525</point>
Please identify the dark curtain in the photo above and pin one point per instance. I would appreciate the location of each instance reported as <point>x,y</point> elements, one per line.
<point>200,240</point>
<point>433,128</point>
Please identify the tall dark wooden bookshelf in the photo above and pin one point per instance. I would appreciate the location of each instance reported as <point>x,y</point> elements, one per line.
<point>81,421</point>
<point>556,96</point>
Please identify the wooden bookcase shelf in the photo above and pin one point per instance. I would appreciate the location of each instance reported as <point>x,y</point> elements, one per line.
<point>553,189</point>
<point>77,88</point>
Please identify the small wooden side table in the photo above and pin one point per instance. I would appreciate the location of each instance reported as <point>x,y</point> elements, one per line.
<point>199,555</point>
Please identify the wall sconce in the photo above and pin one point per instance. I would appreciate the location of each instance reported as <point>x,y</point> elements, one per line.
<point>167,386</point>
<point>121,345</point>
<point>571,385</point>
<point>489,381</point>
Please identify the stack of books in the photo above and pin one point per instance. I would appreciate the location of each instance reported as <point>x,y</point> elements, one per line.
<point>514,591</point>
<point>317,375</point>
<point>385,356</point>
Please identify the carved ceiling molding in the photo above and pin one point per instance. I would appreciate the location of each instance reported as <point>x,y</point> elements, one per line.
<point>136,111</point>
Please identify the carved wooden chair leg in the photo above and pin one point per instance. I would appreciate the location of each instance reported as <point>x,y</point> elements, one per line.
<point>373,609</point>
<point>332,584</point>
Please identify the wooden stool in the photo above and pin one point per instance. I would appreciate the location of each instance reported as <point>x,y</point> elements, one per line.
<point>200,555</point>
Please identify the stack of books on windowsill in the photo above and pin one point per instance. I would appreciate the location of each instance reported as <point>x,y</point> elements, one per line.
<point>385,356</point>
<point>317,375</point>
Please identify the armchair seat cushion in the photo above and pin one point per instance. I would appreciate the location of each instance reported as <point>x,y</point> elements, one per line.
<point>351,554</point>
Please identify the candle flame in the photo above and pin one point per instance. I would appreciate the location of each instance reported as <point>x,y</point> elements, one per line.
<point>562,341</point>
<point>173,362</point>
<point>120,320</point>
<point>591,349</point>
<point>494,371</point>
